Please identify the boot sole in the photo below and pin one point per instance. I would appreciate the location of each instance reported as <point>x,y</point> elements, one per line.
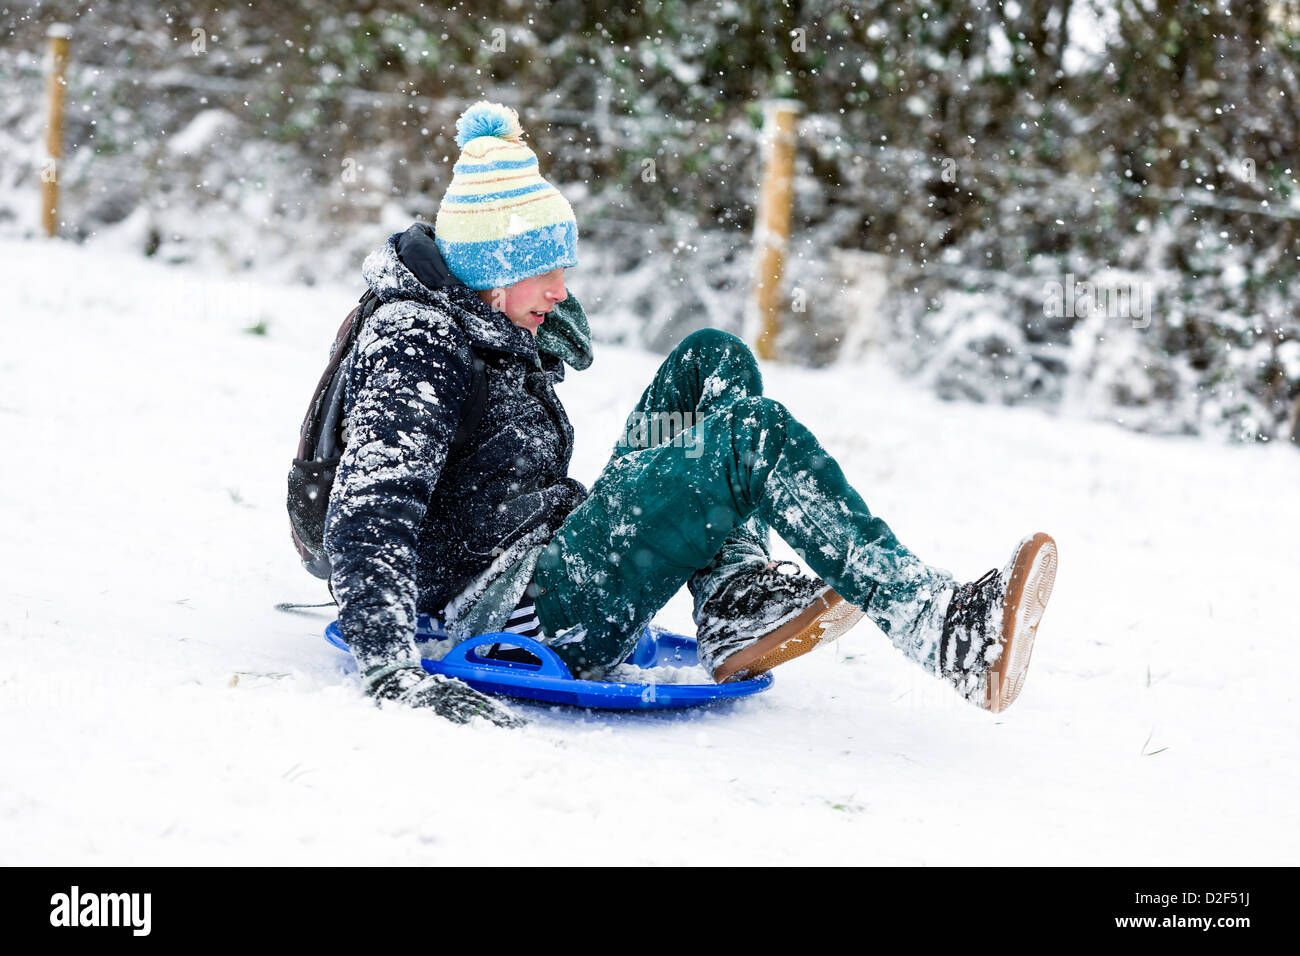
<point>820,623</point>
<point>1029,587</point>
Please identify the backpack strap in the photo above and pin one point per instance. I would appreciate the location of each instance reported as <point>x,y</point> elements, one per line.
<point>472,412</point>
<point>321,424</point>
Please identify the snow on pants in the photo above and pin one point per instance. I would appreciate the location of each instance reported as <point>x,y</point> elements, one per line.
<point>705,466</point>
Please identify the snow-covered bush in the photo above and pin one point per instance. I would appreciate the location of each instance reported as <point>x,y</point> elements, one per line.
<point>984,150</point>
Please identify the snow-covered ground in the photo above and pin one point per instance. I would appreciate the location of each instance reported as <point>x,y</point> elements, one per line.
<point>156,708</point>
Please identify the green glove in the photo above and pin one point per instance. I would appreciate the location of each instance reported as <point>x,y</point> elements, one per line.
<point>566,333</point>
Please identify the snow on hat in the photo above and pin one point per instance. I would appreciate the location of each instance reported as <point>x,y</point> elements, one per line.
<point>500,221</point>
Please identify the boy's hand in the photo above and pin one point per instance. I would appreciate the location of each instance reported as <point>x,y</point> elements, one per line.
<point>453,699</point>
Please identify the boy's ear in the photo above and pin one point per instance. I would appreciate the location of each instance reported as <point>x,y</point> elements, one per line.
<point>499,300</point>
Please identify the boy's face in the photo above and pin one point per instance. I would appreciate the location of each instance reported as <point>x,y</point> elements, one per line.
<point>526,302</point>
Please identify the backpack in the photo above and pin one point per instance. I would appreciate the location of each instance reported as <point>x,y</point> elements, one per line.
<point>320,441</point>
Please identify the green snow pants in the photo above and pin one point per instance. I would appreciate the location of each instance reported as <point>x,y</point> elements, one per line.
<point>705,466</point>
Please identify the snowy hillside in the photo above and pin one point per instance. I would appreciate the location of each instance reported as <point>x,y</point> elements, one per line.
<point>158,709</point>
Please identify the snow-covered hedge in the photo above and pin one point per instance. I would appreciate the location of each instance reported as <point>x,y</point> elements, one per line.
<point>988,153</point>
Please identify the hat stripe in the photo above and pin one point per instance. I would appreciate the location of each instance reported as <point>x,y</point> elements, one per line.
<point>513,205</point>
<point>491,197</point>
<point>492,165</point>
<point>478,183</point>
<point>460,224</point>
<point>476,150</point>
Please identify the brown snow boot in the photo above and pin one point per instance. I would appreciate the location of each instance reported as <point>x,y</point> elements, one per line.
<point>762,618</point>
<point>996,618</point>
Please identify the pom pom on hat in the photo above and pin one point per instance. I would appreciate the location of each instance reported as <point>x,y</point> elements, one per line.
<point>488,119</point>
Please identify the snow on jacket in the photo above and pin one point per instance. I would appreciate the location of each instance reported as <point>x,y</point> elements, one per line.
<point>408,531</point>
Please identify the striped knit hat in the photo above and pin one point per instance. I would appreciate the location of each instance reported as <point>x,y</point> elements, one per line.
<point>500,221</point>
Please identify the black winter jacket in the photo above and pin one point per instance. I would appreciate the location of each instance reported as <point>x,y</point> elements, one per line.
<point>407,530</point>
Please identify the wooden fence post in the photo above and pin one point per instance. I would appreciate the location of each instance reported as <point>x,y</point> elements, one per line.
<point>56,87</point>
<point>772,225</point>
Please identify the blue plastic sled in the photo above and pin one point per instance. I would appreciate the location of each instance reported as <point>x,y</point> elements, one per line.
<point>552,681</point>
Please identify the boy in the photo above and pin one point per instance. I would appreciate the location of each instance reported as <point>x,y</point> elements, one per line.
<point>499,537</point>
